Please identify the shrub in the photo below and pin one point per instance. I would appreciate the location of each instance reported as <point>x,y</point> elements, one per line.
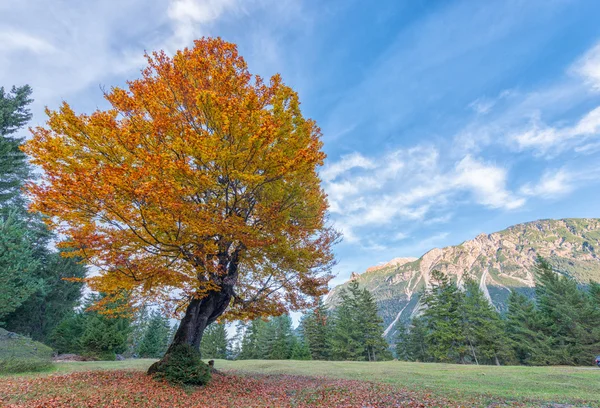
<point>183,366</point>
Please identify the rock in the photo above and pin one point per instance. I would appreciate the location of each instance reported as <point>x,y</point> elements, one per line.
<point>120,357</point>
<point>69,357</point>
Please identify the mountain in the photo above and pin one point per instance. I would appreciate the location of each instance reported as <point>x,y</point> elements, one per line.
<point>501,262</point>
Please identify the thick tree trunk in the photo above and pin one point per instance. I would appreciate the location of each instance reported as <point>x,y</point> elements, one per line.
<point>200,313</point>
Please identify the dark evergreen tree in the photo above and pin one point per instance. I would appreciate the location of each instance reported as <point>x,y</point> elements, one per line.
<point>215,343</point>
<point>571,319</point>
<point>92,334</point>
<point>402,339</point>
<point>446,341</point>
<point>357,332</point>
<point>376,347</point>
<point>416,344</point>
<point>347,336</point>
<point>156,338</point>
<point>18,266</point>
<point>66,336</point>
<point>484,328</point>
<point>251,342</point>
<point>54,298</point>
<point>316,331</point>
<point>280,338</point>
<point>525,328</point>
<point>300,350</point>
<point>14,170</point>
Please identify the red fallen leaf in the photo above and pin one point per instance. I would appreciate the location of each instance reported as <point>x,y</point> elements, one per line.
<point>135,389</point>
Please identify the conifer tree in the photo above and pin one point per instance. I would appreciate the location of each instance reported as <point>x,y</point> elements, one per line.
<point>484,328</point>
<point>300,350</point>
<point>570,317</point>
<point>402,339</point>
<point>156,336</point>
<point>215,343</point>
<point>14,170</point>
<point>375,345</point>
<point>18,265</point>
<point>416,345</point>
<point>445,337</point>
<point>357,332</point>
<point>347,337</point>
<point>525,328</point>
<point>315,328</point>
<point>280,341</point>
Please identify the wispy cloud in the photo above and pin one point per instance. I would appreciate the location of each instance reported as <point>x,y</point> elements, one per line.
<point>13,40</point>
<point>588,67</point>
<point>192,18</point>
<point>553,184</point>
<point>551,140</point>
<point>410,184</point>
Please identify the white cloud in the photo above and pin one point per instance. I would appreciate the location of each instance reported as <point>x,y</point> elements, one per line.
<point>407,185</point>
<point>348,162</point>
<point>191,18</point>
<point>11,40</point>
<point>548,140</point>
<point>482,105</point>
<point>487,183</point>
<point>553,184</point>
<point>588,67</point>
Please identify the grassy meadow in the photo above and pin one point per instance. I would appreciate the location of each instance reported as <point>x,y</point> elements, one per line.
<point>429,384</point>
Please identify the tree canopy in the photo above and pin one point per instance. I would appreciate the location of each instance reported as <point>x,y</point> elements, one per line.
<point>200,177</point>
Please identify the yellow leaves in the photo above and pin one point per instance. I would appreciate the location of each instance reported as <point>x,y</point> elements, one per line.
<point>195,161</point>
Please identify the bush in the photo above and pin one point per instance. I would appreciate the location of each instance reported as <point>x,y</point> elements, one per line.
<point>183,366</point>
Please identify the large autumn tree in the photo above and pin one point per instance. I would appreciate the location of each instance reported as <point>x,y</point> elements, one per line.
<point>198,188</point>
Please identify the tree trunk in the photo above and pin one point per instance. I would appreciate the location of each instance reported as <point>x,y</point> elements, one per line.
<point>202,312</point>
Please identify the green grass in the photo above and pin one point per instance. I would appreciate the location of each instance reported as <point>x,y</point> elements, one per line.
<point>575,385</point>
<point>21,354</point>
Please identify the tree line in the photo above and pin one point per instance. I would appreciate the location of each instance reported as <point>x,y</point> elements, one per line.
<point>560,326</point>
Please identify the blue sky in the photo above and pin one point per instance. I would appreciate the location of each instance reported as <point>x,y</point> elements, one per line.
<point>441,119</point>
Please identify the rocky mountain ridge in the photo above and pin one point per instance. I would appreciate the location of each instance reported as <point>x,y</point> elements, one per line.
<point>501,262</point>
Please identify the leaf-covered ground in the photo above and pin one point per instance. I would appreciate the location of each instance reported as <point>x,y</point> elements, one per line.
<point>135,389</point>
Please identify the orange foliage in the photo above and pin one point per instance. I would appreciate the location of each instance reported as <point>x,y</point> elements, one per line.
<point>196,165</point>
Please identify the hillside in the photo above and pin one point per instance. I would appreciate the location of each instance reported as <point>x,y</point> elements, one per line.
<point>502,261</point>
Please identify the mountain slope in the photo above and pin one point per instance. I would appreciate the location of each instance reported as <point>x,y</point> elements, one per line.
<point>502,261</point>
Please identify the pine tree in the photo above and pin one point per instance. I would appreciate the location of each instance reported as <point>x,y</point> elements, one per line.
<point>14,170</point>
<point>445,338</point>
<point>416,344</point>
<point>357,330</point>
<point>44,298</point>
<point>18,266</point>
<point>525,328</point>
<point>54,298</point>
<point>300,350</point>
<point>375,345</point>
<point>347,337</point>
<point>402,339</point>
<point>484,328</point>
<point>281,340</point>
<point>103,336</point>
<point>156,336</point>
<point>251,341</point>
<point>571,318</point>
<point>316,329</point>
<point>214,342</point>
